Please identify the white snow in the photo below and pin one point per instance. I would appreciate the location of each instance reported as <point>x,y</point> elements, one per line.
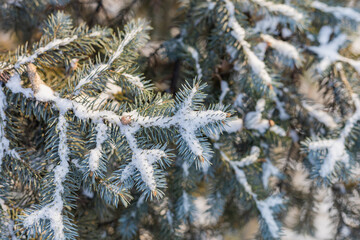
<point>98,69</point>
<point>186,202</point>
<point>195,56</point>
<point>338,12</point>
<point>14,84</point>
<point>248,160</point>
<point>53,210</point>
<point>355,46</point>
<point>283,115</point>
<point>185,167</point>
<point>283,48</point>
<point>7,222</point>
<point>267,25</point>
<point>234,125</point>
<point>211,5</point>
<point>278,130</point>
<point>239,100</point>
<point>186,120</point>
<point>88,193</point>
<point>264,206</point>
<point>268,170</point>
<point>55,43</point>
<point>224,90</point>
<point>135,80</point>
<point>254,120</point>
<point>202,215</point>
<point>256,65</point>
<point>320,115</point>
<point>324,34</point>
<point>336,150</point>
<point>4,142</point>
<point>328,53</point>
<point>282,9</point>
<point>285,32</point>
<point>294,136</point>
<point>45,94</point>
<point>95,153</point>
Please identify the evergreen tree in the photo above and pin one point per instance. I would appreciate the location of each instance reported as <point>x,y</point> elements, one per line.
<point>252,112</point>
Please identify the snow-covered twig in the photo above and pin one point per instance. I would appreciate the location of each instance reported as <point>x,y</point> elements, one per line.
<point>195,56</point>
<point>186,120</point>
<point>285,49</point>
<point>282,9</point>
<point>54,44</point>
<point>328,52</point>
<point>53,210</point>
<point>336,150</point>
<point>4,142</point>
<point>224,90</point>
<point>134,80</point>
<point>268,170</point>
<point>238,32</point>
<point>320,115</point>
<point>338,12</point>
<point>264,206</point>
<point>95,154</point>
<point>98,69</point>
<point>6,223</point>
<point>254,120</point>
<point>257,66</point>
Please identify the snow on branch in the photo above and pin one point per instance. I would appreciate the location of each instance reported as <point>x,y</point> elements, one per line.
<point>257,65</point>
<point>53,210</point>
<point>268,170</point>
<point>254,120</point>
<point>285,49</point>
<point>95,154</point>
<point>98,69</point>
<point>185,120</point>
<point>4,142</point>
<point>320,115</point>
<point>108,93</point>
<point>238,32</point>
<point>328,51</point>
<point>336,149</point>
<point>134,80</point>
<point>338,12</point>
<point>264,206</point>
<point>283,115</point>
<point>195,56</point>
<point>7,224</point>
<point>252,158</point>
<point>282,9</point>
<point>54,44</point>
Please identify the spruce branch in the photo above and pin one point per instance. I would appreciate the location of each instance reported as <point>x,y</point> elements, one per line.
<point>98,69</point>
<point>53,211</point>
<point>264,206</point>
<point>281,9</point>
<point>337,11</point>
<point>336,150</point>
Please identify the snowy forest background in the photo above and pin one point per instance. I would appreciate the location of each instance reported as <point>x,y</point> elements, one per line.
<point>179,119</point>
